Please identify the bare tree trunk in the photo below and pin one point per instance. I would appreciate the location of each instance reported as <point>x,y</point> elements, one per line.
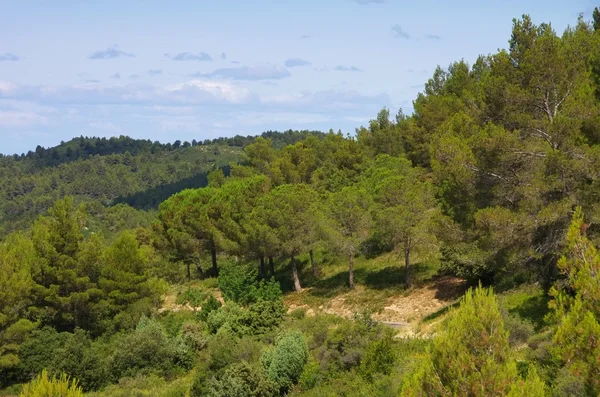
<point>272,266</point>
<point>261,269</point>
<point>407,260</point>
<point>213,254</point>
<point>315,269</point>
<point>189,271</point>
<point>351,271</point>
<point>297,285</point>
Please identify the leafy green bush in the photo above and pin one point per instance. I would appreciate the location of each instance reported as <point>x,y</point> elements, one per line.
<point>149,350</point>
<point>242,379</point>
<point>43,386</point>
<point>209,305</point>
<point>225,349</point>
<point>195,335</point>
<point>298,313</point>
<point>520,330</point>
<point>37,352</point>
<point>195,297</point>
<point>310,375</point>
<point>239,283</point>
<point>379,358</point>
<point>83,359</point>
<point>257,319</point>
<point>284,363</point>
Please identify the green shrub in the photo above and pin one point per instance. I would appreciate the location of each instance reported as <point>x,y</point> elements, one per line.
<point>310,375</point>
<point>43,386</point>
<point>520,330</point>
<point>298,313</point>
<point>284,363</point>
<point>195,297</point>
<point>37,352</point>
<point>265,315</point>
<point>225,349</point>
<point>242,379</point>
<point>239,283</point>
<point>83,359</point>
<point>231,316</point>
<point>379,358</point>
<point>195,335</point>
<point>149,350</point>
<point>210,305</point>
<point>257,319</point>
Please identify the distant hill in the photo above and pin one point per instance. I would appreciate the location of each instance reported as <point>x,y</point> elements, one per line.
<point>140,173</point>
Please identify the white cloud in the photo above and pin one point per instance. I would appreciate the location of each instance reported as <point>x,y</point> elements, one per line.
<point>105,126</point>
<point>18,119</point>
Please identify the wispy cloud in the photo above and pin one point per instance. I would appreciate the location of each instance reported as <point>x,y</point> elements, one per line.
<point>223,56</point>
<point>294,62</point>
<point>20,119</point>
<point>306,36</point>
<point>93,81</point>
<point>342,68</point>
<point>433,37</point>
<point>110,53</point>
<point>154,72</point>
<point>134,76</point>
<point>188,56</point>
<point>116,76</point>
<point>8,56</point>
<point>399,32</point>
<point>196,92</point>
<point>105,126</point>
<point>258,72</point>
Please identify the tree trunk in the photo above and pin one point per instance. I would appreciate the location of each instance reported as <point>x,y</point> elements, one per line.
<point>261,269</point>
<point>272,266</point>
<point>213,254</point>
<point>407,261</point>
<point>189,270</point>
<point>351,271</point>
<point>297,285</point>
<point>315,269</point>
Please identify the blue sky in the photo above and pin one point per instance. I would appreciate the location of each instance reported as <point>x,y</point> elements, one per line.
<point>203,69</point>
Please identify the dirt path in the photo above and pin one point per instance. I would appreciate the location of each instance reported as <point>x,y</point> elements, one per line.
<point>403,312</point>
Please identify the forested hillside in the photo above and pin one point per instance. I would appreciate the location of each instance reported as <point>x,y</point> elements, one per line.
<point>492,182</point>
<point>139,173</point>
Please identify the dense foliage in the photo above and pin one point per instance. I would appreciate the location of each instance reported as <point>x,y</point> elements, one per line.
<point>488,180</point>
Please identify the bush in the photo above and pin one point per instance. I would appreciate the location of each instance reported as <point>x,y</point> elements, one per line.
<point>43,386</point>
<point>520,330</point>
<point>242,379</point>
<point>210,305</point>
<point>310,375</point>
<point>225,349</point>
<point>285,362</point>
<point>149,350</point>
<point>194,296</point>
<point>83,359</point>
<point>195,335</point>
<point>298,313</point>
<point>239,284</point>
<point>37,352</point>
<point>379,358</point>
<point>259,318</point>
